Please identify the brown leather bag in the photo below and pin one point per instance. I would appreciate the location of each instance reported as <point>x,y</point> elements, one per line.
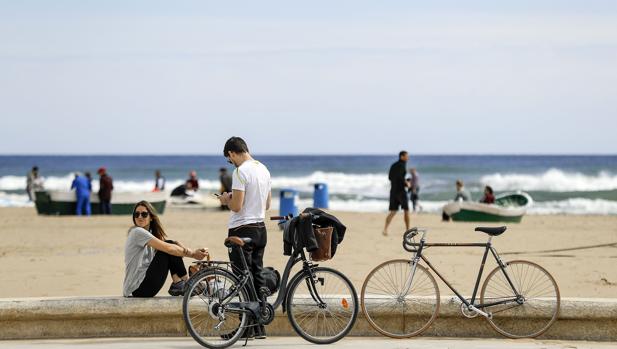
<point>324,241</point>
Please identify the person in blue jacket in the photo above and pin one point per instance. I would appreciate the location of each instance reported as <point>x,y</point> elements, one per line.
<point>82,187</point>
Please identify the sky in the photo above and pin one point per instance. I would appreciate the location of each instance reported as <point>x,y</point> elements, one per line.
<point>318,77</point>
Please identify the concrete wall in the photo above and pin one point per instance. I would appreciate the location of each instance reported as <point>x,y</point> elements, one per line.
<point>30,318</point>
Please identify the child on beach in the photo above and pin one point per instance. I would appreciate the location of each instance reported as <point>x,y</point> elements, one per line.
<point>149,256</point>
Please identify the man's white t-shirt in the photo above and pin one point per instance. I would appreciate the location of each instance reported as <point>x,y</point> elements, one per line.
<point>253,178</point>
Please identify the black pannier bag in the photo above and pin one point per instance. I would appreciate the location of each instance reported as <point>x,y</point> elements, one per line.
<point>272,278</point>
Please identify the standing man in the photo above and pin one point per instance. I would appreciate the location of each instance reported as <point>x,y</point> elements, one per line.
<point>159,181</point>
<point>82,192</point>
<point>250,198</point>
<point>106,186</point>
<point>33,183</point>
<point>225,179</point>
<point>398,192</point>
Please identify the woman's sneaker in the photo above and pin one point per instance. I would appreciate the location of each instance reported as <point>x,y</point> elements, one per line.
<point>177,288</point>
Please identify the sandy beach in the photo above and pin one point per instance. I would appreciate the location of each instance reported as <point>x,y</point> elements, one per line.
<point>76,256</point>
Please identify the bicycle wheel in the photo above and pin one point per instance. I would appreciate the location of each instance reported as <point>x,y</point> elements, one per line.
<point>533,313</point>
<point>393,311</point>
<point>329,322</point>
<point>205,308</point>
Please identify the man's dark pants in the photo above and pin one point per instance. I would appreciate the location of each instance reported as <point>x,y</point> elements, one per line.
<point>253,254</point>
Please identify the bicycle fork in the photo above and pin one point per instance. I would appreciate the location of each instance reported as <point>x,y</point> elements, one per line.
<point>414,263</point>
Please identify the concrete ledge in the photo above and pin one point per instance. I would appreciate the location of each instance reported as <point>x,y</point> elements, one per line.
<point>33,318</point>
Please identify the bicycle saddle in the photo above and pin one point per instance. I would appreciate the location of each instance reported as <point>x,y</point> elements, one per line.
<point>238,241</point>
<point>492,231</point>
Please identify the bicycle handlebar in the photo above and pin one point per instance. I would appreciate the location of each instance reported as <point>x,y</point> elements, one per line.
<point>302,216</point>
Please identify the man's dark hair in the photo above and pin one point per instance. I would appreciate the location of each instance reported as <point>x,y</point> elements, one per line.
<point>235,144</point>
<point>35,168</point>
<point>401,154</point>
<point>222,169</point>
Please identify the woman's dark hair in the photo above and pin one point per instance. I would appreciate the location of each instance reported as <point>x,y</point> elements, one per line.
<point>490,190</point>
<point>156,228</point>
<point>235,144</point>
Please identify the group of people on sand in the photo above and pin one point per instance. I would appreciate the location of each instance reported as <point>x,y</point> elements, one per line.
<point>82,184</point>
<point>405,188</point>
<point>150,255</point>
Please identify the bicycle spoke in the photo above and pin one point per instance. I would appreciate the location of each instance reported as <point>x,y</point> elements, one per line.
<point>532,316</point>
<point>330,320</point>
<point>417,306</point>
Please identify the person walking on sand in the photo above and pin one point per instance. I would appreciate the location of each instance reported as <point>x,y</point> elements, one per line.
<point>149,256</point>
<point>414,188</point>
<point>398,192</point>
<point>106,186</point>
<point>250,198</point>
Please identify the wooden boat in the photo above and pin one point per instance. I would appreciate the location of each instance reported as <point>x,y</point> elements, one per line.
<point>64,202</point>
<point>508,207</point>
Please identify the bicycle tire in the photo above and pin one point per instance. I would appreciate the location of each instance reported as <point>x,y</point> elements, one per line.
<point>196,288</point>
<point>540,308</point>
<point>423,298</point>
<point>339,315</point>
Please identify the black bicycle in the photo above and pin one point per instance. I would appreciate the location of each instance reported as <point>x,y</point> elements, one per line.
<point>519,299</point>
<point>221,302</point>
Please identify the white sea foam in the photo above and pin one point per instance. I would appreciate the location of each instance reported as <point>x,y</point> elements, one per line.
<point>365,185</point>
<point>64,183</point>
<point>14,200</point>
<point>552,180</point>
<point>569,206</point>
<point>575,206</point>
<point>368,185</point>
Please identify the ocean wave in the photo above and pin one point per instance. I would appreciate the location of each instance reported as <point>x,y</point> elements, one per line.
<point>552,180</point>
<point>365,185</point>
<point>14,200</point>
<point>576,206</point>
<point>14,183</point>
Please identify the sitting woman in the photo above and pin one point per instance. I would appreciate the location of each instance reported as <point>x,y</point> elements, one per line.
<point>148,256</point>
<point>488,198</point>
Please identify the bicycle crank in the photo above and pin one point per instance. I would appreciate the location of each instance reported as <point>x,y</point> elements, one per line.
<point>470,314</point>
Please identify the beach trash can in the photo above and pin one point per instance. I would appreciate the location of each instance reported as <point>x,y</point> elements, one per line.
<point>288,202</point>
<point>320,195</point>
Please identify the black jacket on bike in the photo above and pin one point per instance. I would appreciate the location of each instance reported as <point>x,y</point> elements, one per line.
<point>300,231</point>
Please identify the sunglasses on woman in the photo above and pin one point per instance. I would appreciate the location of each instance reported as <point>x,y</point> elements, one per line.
<point>144,214</point>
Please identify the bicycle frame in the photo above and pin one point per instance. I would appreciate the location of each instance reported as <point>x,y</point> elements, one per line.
<point>246,280</point>
<point>470,304</point>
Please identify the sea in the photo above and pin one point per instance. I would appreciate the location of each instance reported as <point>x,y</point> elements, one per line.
<point>359,183</point>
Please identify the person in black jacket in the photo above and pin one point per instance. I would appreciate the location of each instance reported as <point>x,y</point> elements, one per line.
<point>398,192</point>
<point>106,186</point>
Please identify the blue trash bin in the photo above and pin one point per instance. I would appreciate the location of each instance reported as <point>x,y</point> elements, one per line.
<point>320,195</point>
<point>288,202</point>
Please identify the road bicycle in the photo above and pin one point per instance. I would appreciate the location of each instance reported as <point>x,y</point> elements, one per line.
<point>519,299</point>
<point>220,302</point>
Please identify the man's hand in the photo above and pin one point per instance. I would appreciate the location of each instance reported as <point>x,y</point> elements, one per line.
<point>225,198</point>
